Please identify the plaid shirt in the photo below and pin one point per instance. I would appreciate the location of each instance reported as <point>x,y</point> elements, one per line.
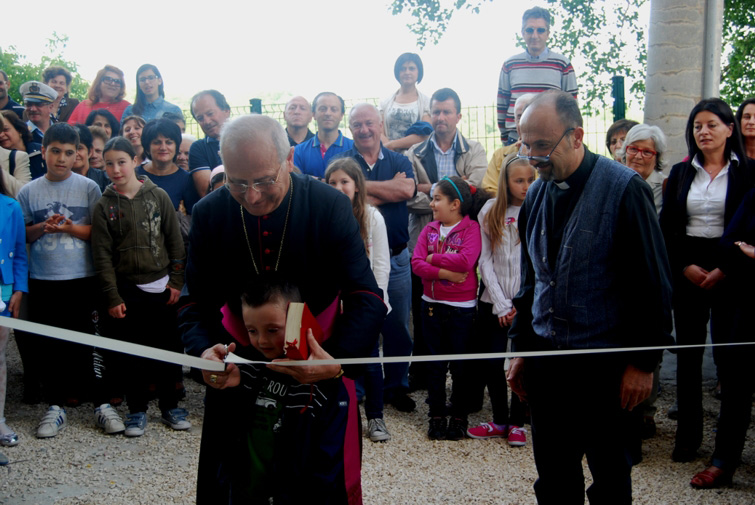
<point>445,161</point>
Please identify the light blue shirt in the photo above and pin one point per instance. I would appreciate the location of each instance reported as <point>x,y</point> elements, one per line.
<point>154,110</point>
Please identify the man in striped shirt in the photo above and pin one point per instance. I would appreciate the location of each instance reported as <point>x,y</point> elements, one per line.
<point>536,70</point>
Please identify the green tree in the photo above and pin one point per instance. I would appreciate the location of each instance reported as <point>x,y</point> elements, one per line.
<point>20,70</point>
<point>580,24</point>
<point>737,78</point>
<point>584,22</point>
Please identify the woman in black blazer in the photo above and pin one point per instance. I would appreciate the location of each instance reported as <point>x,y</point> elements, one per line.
<point>735,362</point>
<point>702,195</point>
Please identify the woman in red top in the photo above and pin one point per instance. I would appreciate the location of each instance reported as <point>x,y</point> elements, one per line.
<point>106,92</point>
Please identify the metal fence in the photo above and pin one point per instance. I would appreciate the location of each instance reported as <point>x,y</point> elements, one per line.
<point>478,122</point>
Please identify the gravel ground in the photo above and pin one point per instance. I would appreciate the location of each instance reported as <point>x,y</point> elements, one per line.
<point>84,466</point>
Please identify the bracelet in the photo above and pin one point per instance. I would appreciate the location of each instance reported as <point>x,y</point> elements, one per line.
<point>339,374</point>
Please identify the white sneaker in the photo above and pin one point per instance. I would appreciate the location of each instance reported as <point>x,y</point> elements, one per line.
<point>52,423</point>
<point>107,418</point>
<point>378,430</point>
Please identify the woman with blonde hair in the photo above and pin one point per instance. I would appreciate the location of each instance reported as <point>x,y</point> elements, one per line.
<point>106,92</point>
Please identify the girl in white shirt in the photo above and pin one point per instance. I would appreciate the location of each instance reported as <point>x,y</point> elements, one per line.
<point>500,272</point>
<point>345,175</point>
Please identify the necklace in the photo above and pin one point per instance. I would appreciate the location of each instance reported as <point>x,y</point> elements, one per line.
<point>283,235</point>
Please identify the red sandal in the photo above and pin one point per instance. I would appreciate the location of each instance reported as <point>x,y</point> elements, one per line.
<point>710,478</point>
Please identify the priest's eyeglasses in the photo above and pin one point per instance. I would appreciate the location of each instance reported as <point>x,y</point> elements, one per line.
<point>543,159</point>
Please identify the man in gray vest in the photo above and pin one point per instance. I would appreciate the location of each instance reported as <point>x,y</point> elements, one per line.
<point>594,275</point>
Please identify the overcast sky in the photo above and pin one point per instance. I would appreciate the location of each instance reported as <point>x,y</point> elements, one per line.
<point>273,49</point>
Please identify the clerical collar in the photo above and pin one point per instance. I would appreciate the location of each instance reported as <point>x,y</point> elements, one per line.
<point>577,179</point>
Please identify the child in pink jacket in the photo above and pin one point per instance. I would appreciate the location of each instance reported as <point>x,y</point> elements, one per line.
<point>445,258</point>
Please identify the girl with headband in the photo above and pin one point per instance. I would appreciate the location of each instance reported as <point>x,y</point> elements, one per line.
<point>445,258</point>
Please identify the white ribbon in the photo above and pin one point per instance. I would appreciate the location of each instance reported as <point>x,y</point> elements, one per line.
<point>216,366</point>
<point>111,344</point>
<point>232,358</point>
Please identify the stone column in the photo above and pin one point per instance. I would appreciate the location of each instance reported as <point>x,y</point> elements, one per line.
<point>677,63</point>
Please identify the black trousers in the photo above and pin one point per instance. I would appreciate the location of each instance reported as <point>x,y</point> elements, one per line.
<point>66,368</point>
<point>149,321</point>
<point>693,308</point>
<point>734,365</point>
<point>560,389</point>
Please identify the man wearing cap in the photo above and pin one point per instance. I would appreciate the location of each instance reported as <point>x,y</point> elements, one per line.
<point>6,102</point>
<point>38,98</point>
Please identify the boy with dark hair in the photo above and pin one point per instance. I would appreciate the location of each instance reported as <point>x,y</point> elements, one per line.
<point>83,152</point>
<point>57,210</point>
<point>292,446</point>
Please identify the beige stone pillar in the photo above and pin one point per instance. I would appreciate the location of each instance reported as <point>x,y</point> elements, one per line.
<point>680,63</point>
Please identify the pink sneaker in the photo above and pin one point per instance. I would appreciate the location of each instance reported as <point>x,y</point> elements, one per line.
<point>517,436</point>
<point>486,430</point>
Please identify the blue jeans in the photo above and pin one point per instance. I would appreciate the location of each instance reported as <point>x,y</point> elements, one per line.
<point>370,387</point>
<point>396,338</point>
<point>447,330</point>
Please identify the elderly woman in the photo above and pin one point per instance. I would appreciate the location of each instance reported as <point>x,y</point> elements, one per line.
<point>642,151</point>
<point>59,79</point>
<point>106,92</point>
<point>746,121</point>
<point>406,106</point>
<point>702,195</point>
<point>187,139</point>
<point>99,139</point>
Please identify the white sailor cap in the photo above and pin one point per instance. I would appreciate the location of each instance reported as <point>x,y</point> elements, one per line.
<point>37,92</point>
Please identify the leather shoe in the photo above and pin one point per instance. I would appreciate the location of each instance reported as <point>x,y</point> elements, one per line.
<point>711,477</point>
<point>648,429</point>
<point>683,454</point>
<point>402,402</point>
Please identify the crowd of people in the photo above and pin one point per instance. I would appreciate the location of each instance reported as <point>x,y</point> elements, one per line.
<point>127,216</point>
